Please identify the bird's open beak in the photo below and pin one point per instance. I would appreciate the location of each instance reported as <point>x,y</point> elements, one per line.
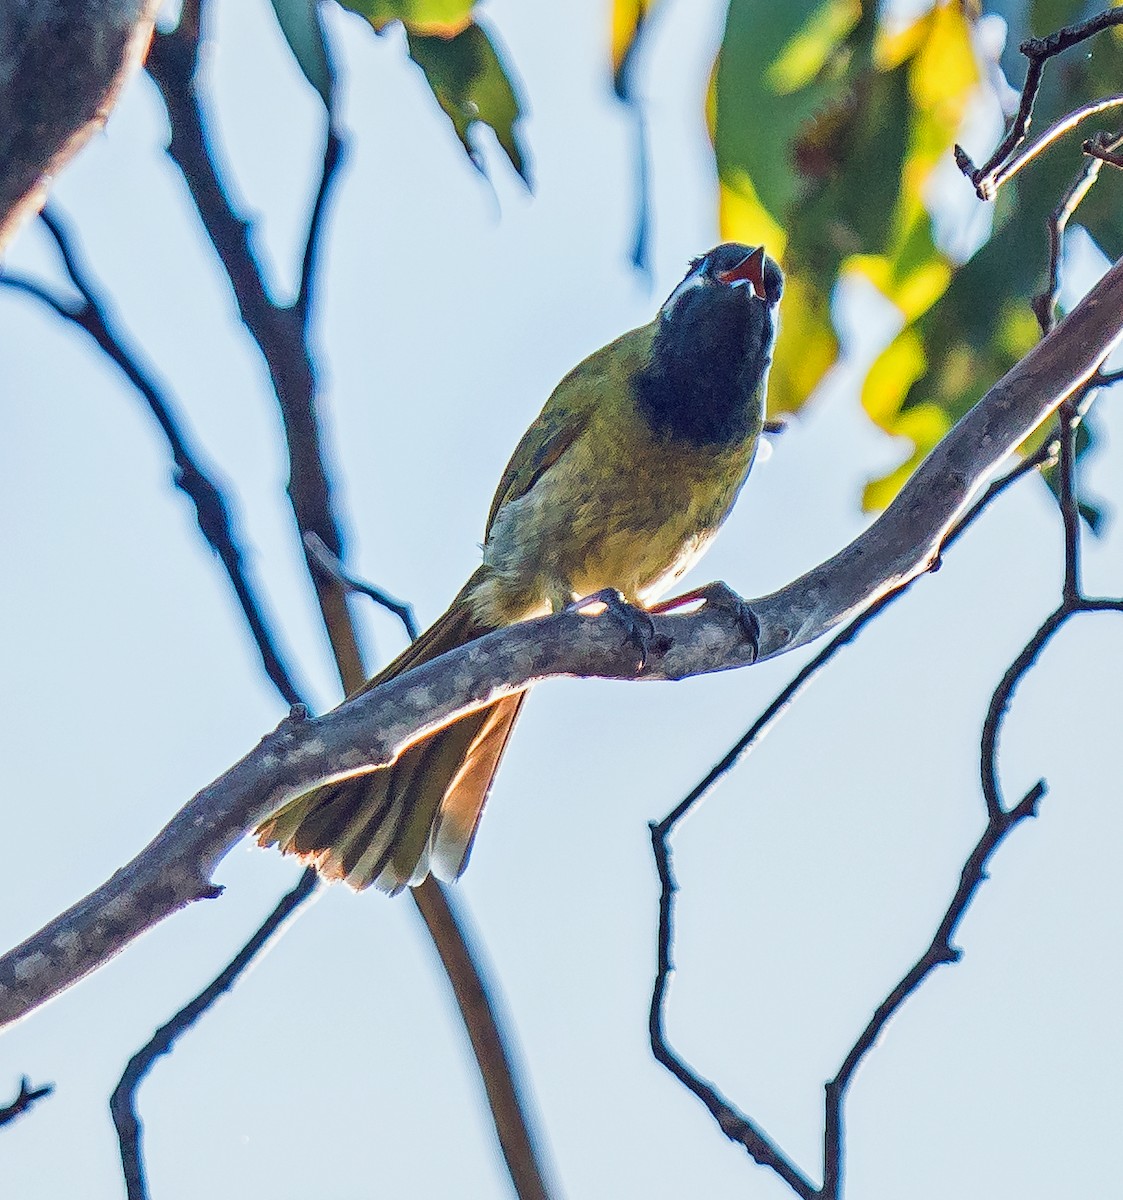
<point>750,269</point>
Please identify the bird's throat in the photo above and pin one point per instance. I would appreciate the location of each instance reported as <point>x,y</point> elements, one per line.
<point>705,381</point>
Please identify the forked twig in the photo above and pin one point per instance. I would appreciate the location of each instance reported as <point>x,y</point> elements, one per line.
<point>93,315</point>
<point>122,1104</point>
<point>281,334</point>
<point>735,1124</point>
<point>25,1098</point>
<point>997,169</point>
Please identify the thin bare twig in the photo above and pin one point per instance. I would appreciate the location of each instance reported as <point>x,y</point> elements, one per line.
<point>1044,304</point>
<point>1095,148</point>
<point>940,952</point>
<point>92,314</point>
<point>1073,602</point>
<point>1055,131</point>
<point>323,559</point>
<point>989,177</point>
<point>213,516</point>
<point>24,1100</point>
<point>625,86</point>
<point>122,1103</point>
<point>277,330</point>
<point>334,157</point>
<point>494,1049</point>
<point>281,334</point>
<point>733,1123</point>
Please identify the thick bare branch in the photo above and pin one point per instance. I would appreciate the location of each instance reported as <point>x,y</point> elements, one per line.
<point>175,868</point>
<point>62,67</point>
<point>905,540</point>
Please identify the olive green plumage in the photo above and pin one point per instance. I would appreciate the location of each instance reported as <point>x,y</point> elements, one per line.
<point>621,482</point>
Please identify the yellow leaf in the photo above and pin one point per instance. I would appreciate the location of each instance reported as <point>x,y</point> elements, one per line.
<point>627,16</point>
<point>874,267</point>
<point>923,425</point>
<point>433,18</point>
<point>944,71</point>
<point>879,493</point>
<point>896,42</point>
<point>914,289</point>
<point>918,290</point>
<point>806,347</point>
<point>894,371</point>
<point>742,217</point>
<point>1018,330</point>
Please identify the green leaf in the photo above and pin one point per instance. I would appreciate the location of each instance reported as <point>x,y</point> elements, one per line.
<point>808,140</point>
<point>756,125</point>
<point>300,23</point>
<point>461,65</point>
<point>1045,16</point>
<point>470,84</point>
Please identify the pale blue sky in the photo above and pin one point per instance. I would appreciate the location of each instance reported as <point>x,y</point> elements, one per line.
<point>811,878</point>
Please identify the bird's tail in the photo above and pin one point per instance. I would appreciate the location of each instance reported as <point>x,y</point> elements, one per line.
<point>420,813</point>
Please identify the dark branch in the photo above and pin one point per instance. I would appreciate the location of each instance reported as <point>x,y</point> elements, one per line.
<point>212,511</point>
<point>281,333</point>
<point>495,1054</point>
<point>1056,131</point>
<point>25,1098</point>
<point>1073,602</point>
<point>733,1123</point>
<point>940,951</point>
<point>334,157</point>
<point>277,330</point>
<point>1095,148</point>
<point>122,1104</point>
<point>368,730</point>
<point>1000,819</point>
<point>322,559</point>
<point>1044,304</point>
<point>730,1120</point>
<point>989,177</point>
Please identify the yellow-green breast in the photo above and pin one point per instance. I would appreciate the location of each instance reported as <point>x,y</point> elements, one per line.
<point>596,497</point>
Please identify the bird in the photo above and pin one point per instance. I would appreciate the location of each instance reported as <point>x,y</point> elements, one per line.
<point>615,490</point>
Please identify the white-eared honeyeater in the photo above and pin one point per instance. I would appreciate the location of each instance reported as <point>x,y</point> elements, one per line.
<point>620,483</point>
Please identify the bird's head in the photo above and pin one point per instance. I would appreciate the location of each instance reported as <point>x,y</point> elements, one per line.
<point>713,346</point>
<point>731,274</point>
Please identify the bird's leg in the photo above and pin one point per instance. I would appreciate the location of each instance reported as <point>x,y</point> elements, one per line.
<point>721,597</point>
<point>638,626</point>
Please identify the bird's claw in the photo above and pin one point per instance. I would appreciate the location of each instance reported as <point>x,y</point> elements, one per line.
<point>722,598</point>
<point>639,628</point>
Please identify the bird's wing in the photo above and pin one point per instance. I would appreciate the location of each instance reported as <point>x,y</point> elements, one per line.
<point>555,429</point>
<point>567,413</point>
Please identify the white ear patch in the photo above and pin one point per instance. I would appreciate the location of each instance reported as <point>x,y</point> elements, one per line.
<point>693,280</point>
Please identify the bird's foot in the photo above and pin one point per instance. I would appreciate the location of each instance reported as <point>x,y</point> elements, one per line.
<point>722,598</point>
<point>638,626</point>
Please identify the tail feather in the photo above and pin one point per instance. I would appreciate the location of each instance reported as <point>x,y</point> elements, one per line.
<point>454,831</point>
<point>390,826</point>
